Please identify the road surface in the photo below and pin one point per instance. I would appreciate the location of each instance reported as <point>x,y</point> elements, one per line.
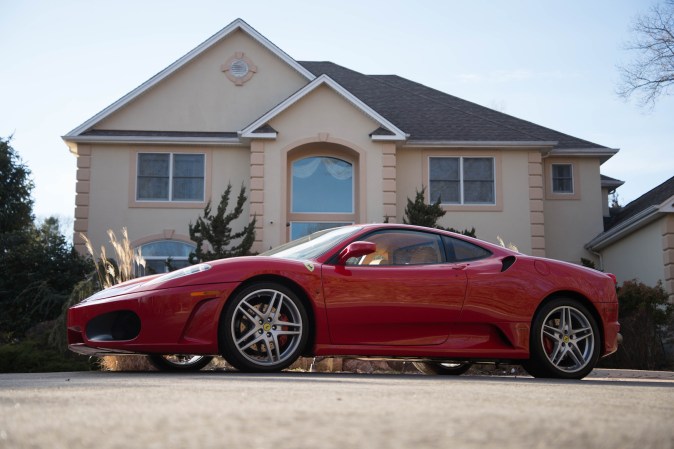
<point>99,410</point>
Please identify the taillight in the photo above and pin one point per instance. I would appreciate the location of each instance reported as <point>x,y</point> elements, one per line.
<point>612,276</point>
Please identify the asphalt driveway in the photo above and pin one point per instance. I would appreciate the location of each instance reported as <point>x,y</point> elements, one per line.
<point>315,410</point>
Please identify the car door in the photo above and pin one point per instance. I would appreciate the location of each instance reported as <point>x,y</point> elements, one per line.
<point>405,293</point>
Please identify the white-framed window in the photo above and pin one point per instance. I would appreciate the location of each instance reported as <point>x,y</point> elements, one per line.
<point>170,177</point>
<point>462,180</point>
<point>322,194</point>
<point>322,184</point>
<point>562,178</point>
<point>163,256</point>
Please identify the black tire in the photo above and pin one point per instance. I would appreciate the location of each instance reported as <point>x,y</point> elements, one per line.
<point>264,328</point>
<point>179,362</point>
<point>565,342</point>
<point>443,369</point>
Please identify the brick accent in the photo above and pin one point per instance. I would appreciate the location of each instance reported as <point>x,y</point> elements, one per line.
<point>257,191</point>
<point>537,217</point>
<point>668,255</point>
<point>389,181</point>
<point>82,197</point>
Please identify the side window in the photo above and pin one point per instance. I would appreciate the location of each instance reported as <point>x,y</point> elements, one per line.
<point>170,177</point>
<point>461,251</point>
<point>402,248</point>
<point>562,178</point>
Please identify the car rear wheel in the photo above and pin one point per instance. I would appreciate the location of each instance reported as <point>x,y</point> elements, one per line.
<point>179,362</point>
<point>565,341</point>
<point>265,328</point>
<point>446,369</point>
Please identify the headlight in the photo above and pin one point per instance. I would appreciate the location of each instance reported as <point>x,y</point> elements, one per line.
<point>180,273</point>
<point>111,291</point>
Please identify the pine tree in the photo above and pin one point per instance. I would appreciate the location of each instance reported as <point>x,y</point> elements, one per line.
<point>419,213</point>
<point>216,230</point>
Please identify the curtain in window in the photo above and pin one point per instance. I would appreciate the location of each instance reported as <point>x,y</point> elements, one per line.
<point>337,168</point>
<point>478,180</point>
<point>462,180</point>
<point>444,180</point>
<point>153,176</point>
<point>562,178</point>
<point>188,177</point>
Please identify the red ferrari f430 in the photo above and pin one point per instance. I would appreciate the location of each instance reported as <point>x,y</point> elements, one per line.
<point>438,299</point>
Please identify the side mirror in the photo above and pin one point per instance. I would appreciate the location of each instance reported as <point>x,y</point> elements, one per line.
<point>356,249</point>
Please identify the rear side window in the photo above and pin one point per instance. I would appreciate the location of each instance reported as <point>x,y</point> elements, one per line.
<point>461,251</point>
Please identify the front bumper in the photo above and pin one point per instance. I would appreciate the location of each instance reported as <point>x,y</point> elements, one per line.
<point>181,320</point>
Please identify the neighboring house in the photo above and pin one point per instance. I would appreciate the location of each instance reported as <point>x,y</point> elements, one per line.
<point>319,145</point>
<point>638,242</point>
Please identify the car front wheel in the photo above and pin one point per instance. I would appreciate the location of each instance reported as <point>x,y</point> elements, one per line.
<point>179,362</point>
<point>265,328</point>
<point>565,341</point>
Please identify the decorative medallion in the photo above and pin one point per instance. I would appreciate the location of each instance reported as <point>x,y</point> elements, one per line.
<point>239,68</point>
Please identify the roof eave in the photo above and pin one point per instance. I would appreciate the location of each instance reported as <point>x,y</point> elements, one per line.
<point>542,145</point>
<point>163,140</point>
<point>625,228</point>
<point>638,221</point>
<point>604,154</point>
<point>263,136</point>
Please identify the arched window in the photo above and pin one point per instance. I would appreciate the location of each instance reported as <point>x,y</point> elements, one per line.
<point>322,194</point>
<point>165,255</point>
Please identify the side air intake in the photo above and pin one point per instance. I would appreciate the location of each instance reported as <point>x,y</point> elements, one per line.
<point>507,262</point>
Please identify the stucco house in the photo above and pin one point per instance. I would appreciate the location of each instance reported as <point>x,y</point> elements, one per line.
<point>318,145</point>
<point>638,242</point>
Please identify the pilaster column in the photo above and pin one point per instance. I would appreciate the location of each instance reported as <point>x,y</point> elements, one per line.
<point>257,191</point>
<point>668,255</point>
<point>389,181</point>
<point>82,197</point>
<point>536,211</point>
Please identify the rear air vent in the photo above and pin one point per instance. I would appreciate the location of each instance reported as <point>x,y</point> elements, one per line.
<point>507,262</point>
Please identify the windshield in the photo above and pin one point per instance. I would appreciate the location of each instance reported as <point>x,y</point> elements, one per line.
<point>313,245</point>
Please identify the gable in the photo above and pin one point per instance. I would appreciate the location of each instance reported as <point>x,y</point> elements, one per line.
<point>194,94</point>
<point>323,111</point>
<point>200,97</point>
<point>385,130</point>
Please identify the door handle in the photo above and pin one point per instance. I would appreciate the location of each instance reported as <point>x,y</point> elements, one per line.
<point>462,266</point>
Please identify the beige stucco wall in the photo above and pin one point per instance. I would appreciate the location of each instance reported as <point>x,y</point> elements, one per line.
<point>112,186</point>
<point>637,256</point>
<point>321,117</point>
<point>199,96</point>
<point>512,223</point>
<point>571,223</point>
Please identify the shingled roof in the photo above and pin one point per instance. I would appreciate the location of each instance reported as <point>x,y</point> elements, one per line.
<point>427,114</point>
<point>653,197</point>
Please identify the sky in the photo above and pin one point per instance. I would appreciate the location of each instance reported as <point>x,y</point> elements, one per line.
<point>552,63</point>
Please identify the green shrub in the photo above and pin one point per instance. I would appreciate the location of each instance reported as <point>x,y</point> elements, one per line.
<point>34,353</point>
<point>644,314</point>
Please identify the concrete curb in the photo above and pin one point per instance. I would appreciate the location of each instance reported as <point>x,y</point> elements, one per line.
<point>630,374</point>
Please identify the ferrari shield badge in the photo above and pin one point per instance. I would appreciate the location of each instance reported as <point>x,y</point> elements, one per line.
<point>309,266</point>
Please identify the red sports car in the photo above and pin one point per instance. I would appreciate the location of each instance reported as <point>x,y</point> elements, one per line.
<point>439,299</point>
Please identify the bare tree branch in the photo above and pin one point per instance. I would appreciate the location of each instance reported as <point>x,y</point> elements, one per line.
<point>651,73</point>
